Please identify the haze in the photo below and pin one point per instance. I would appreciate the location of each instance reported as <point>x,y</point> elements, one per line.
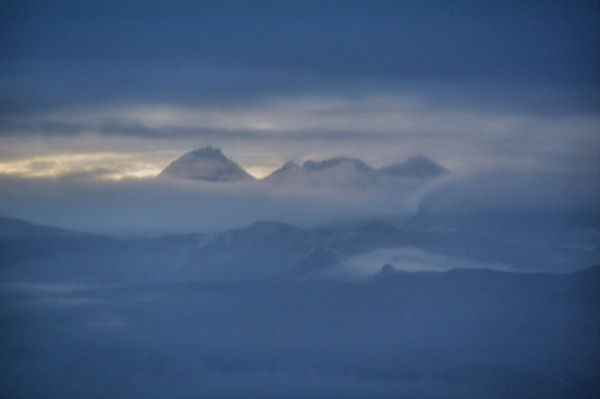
<point>300,199</point>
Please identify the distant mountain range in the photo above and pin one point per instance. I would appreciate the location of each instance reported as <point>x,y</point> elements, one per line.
<point>208,310</point>
<point>264,251</point>
<point>210,164</point>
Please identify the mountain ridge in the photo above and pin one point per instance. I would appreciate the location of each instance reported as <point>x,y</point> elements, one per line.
<point>210,164</point>
<point>261,251</point>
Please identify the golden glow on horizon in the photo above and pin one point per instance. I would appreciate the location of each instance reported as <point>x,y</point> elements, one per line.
<point>103,166</point>
<point>259,172</point>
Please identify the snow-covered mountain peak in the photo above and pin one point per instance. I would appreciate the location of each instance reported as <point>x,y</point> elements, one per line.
<point>207,163</point>
<point>207,152</point>
<point>210,164</point>
<point>418,166</point>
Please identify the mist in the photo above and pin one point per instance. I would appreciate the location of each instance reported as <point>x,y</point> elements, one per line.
<point>300,199</point>
<point>157,206</point>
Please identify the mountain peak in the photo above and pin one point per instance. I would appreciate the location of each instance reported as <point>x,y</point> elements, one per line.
<point>418,166</point>
<point>207,152</point>
<point>206,163</point>
<point>210,164</point>
<point>340,170</point>
<point>354,172</point>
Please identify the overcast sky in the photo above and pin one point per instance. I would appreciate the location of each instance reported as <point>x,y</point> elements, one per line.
<point>131,85</point>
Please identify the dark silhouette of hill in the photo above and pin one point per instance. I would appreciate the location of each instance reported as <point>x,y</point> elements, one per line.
<point>263,250</point>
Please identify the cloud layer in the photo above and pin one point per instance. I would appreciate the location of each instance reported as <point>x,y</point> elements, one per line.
<point>158,206</point>
<point>262,136</point>
<point>471,85</point>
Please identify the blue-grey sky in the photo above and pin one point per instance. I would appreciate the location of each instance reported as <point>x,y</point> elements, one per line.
<point>129,85</point>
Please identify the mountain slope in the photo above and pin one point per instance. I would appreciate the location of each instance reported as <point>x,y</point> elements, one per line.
<point>208,164</point>
<point>353,171</point>
<point>417,167</point>
<point>11,228</point>
<point>261,251</point>
<point>317,260</point>
<point>341,170</point>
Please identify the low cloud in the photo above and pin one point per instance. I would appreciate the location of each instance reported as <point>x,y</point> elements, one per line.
<point>163,205</point>
<point>517,190</point>
<point>147,206</point>
<point>364,266</point>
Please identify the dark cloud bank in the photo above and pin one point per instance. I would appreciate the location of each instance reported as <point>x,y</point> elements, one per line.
<point>229,52</point>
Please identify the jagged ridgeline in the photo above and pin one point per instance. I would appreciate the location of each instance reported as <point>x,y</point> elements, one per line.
<point>210,164</point>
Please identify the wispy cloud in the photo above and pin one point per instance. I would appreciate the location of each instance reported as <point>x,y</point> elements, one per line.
<point>407,259</point>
